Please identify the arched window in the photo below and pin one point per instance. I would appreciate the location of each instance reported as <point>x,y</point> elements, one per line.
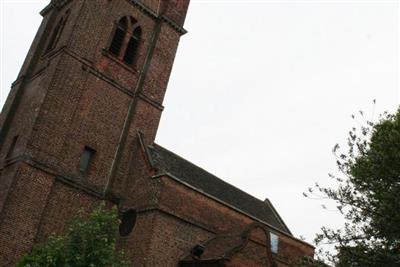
<point>126,40</point>
<point>128,221</point>
<point>119,37</point>
<point>55,36</point>
<point>132,46</point>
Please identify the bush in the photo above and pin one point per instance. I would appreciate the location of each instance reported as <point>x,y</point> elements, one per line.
<point>87,242</point>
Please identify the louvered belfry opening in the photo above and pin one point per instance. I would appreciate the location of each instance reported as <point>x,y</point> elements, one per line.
<point>126,40</point>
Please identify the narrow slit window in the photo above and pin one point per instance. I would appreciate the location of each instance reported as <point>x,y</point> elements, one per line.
<point>133,44</point>
<point>117,41</point>
<point>11,149</point>
<point>274,243</point>
<point>86,159</point>
<point>119,37</point>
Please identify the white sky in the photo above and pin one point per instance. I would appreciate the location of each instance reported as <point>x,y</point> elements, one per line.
<point>262,90</point>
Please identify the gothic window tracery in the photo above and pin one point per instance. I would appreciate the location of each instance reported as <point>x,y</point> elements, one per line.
<point>125,42</point>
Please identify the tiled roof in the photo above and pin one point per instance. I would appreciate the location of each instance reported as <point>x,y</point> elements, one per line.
<point>166,161</point>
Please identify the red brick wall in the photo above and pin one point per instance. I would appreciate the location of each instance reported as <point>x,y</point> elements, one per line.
<point>63,204</point>
<point>172,239</point>
<point>22,212</point>
<point>253,254</point>
<point>205,212</point>
<point>137,245</point>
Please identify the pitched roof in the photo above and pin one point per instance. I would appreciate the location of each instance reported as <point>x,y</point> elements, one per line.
<point>168,162</point>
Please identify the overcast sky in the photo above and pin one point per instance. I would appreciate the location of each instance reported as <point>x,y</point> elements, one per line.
<point>262,90</point>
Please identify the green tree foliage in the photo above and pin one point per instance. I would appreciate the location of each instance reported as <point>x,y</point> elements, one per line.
<point>88,242</point>
<point>368,196</point>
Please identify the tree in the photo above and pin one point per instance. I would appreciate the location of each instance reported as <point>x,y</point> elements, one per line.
<point>368,195</point>
<point>87,242</point>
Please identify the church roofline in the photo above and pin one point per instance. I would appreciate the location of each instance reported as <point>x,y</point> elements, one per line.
<point>257,206</point>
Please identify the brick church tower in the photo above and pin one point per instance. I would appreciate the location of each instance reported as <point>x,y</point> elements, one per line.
<point>79,126</point>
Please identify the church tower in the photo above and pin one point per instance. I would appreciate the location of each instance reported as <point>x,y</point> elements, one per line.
<point>88,96</point>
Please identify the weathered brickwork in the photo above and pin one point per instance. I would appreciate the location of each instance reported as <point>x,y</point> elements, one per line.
<point>21,214</point>
<point>74,94</point>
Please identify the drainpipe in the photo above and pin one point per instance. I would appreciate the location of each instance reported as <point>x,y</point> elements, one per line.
<point>132,106</point>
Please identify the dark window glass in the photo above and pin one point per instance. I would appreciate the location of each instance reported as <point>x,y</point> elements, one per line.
<point>132,21</point>
<point>133,44</point>
<point>117,41</point>
<point>130,51</point>
<point>128,220</point>
<point>86,158</point>
<point>123,23</point>
<point>126,39</point>
<point>12,147</point>
<point>119,37</point>
<point>137,33</point>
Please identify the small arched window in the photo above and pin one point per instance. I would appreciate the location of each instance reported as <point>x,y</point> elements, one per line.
<point>128,221</point>
<point>126,40</point>
<point>55,36</point>
<point>119,37</point>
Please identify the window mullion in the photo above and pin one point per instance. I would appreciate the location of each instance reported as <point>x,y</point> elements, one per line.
<point>124,45</point>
